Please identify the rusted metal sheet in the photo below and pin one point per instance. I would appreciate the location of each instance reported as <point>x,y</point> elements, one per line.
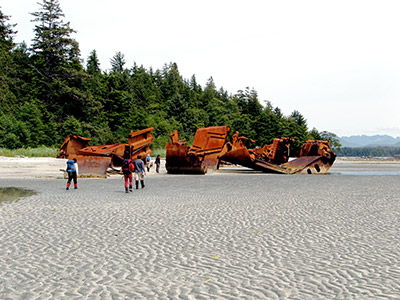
<point>204,154</point>
<point>315,157</point>
<point>71,145</point>
<point>93,165</point>
<point>104,150</point>
<point>276,153</point>
<point>210,149</point>
<point>95,160</point>
<point>308,165</point>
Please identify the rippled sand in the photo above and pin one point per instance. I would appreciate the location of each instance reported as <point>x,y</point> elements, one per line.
<point>225,235</point>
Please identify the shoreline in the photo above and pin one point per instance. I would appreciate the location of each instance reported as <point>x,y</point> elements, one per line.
<point>49,167</point>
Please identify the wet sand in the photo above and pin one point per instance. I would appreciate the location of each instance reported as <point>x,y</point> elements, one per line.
<point>225,235</point>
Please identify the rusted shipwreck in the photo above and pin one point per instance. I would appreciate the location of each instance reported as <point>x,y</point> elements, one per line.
<point>210,149</point>
<point>96,160</point>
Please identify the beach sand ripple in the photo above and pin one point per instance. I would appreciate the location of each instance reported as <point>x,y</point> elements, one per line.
<point>219,236</point>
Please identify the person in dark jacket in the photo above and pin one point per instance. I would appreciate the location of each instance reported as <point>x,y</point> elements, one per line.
<point>158,163</point>
<point>140,171</point>
<point>127,169</point>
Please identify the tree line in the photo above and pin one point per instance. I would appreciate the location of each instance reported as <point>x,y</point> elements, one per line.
<point>47,93</point>
<point>369,151</point>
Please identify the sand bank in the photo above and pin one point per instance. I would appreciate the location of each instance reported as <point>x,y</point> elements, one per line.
<point>31,167</point>
<point>224,235</point>
<point>47,167</point>
<point>38,167</point>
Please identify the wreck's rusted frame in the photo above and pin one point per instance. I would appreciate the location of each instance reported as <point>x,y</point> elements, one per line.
<point>203,155</point>
<point>210,148</point>
<point>95,160</point>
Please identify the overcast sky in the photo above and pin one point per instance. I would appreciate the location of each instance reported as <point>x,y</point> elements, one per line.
<point>336,62</point>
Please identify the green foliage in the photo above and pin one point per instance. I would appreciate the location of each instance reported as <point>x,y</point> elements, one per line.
<point>56,62</point>
<point>47,94</point>
<point>369,152</point>
<point>13,133</point>
<point>93,64</point>
<point>6,33</point>
<point>248,102</point>
<point>118,62</point>
<point>332,139</point>
<point>315,135</point>
<point>41,151</point>
<point>159,151</point>
<point>71,126</point>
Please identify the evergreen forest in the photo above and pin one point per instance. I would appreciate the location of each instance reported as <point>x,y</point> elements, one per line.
<point>369,152</point>
<point>47,93</point>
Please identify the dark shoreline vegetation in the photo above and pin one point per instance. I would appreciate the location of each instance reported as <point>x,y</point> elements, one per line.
<point>13,193</point>
<point>369,152</point>
<point>52,152</point>
<point>47,93</point>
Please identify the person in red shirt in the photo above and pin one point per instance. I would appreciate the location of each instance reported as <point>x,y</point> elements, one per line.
<point>127,169</point>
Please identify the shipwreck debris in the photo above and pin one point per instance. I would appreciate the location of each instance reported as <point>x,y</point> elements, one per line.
<point>210,149</point>
<point>96,160</point>
<point>203,155</point>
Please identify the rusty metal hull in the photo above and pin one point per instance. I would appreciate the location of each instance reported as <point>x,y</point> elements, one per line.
<point>204,154</point>
<point>315,156</point>
<point>300,165</point>
<point>93,165</point>
<point>210,149</point>
<point>308,165</point>
<point>95,160</point>
<point>179,162</point>
<point>72,145</point>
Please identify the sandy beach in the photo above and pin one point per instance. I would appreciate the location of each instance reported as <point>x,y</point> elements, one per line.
<point>225,235</point>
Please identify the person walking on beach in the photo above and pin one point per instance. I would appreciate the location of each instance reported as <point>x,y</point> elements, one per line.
<point>139,171</point>
<point>158,163</point>
<point>127,169</point>
<point>148,161</point>
<point>72,170</point>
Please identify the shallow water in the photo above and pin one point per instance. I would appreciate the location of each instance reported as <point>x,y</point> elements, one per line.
<point>13,193</point>
<point>367,173</point>
<point>365,169</point>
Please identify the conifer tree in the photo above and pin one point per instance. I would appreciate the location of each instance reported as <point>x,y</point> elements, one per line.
<point>117,63</point>
<point>56,61</point>
<point>93,64</point>
<point>6,62</point>
<point>46,94</point>
<point>52,42</point>
<point>6,33</point>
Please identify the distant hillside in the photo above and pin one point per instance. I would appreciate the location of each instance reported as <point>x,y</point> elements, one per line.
<point>369,141</point>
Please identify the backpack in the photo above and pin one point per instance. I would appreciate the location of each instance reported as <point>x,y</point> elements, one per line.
<point>126,167</point>
<point>70,166</point>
